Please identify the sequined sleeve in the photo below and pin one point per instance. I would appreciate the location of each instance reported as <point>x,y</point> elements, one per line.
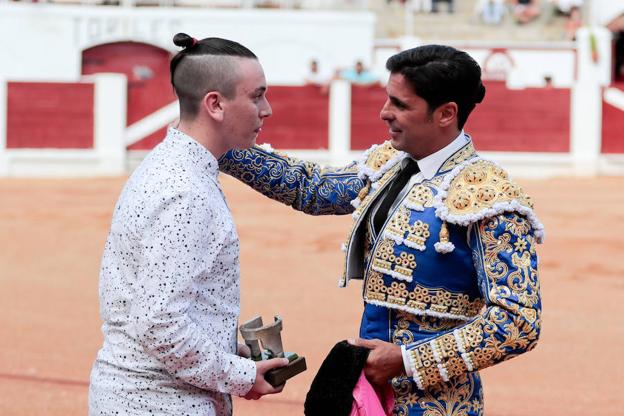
<point>303,185</point>
<point>504,255</point>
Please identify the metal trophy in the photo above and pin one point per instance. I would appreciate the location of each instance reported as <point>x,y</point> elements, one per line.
<point>265,342</point>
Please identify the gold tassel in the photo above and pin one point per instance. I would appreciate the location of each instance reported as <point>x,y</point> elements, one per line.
<point>364,191</point>
<point>444,233</point>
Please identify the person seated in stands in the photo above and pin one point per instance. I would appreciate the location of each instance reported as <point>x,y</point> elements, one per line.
<point>434,5</point>
<point>491,12</point>
<point>417,6</point>
<point>525,11</point>
<point>574,23</point>
<point>571,9</point>
<point>358,75</point>
<point>316,78</point>
<point>565,6</point>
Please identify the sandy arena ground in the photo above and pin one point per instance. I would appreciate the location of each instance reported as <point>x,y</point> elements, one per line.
<point>52,233</point>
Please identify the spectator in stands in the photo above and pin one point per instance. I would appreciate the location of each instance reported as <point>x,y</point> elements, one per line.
<point>565,6</point>
<point>571,9</point>
<point>525,11</point>
<point>416,6</point>
<point>450,3</point>
<point>316,78</point>
<point>574,23</point>
<point>358,75</point>
<point>491,12</point>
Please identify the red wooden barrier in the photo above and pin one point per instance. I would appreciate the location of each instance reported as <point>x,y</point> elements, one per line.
<point>49,115</point>
<point>300,118</point>
<point>530,120</point>
<point>366,126</point>
<point>612,127</point>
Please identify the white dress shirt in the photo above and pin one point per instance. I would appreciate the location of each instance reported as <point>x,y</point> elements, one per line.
<point>170,292</point>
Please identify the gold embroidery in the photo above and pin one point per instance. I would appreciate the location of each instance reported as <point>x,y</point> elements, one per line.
<point>481,185</point>
<point>385,261</point>
<point>417,235</point>
<point>424,323</point>
<point>380,156</point>
<point>462,155</point>
<point>420,195</point>
<point>455,399</point>
<point>455,366</point>
<point>404,396</point>
<point>364,191</point>
<point>472,334</point>
<point>399,222</point>
<point>446,346</point>
<point>379,185</point>
<point>421,298</point>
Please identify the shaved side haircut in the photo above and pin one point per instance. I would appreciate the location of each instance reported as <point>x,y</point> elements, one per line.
<point>203,66</point>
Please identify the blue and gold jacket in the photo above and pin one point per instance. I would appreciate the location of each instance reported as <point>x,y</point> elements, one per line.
<point>451,276</point>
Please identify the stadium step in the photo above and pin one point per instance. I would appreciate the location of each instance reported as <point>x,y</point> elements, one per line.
<point>463,24</point>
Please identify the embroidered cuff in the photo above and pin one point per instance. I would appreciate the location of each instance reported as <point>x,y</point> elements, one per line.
<point>406,362</point>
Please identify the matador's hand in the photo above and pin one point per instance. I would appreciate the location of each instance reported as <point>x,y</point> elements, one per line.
<point>384,362</point>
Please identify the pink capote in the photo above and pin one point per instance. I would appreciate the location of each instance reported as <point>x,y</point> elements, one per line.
<point>369,401</point>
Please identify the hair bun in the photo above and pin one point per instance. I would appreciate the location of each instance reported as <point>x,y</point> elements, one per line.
<point>183,40</point>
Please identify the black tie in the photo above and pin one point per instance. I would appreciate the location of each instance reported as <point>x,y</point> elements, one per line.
<point>398,184</point>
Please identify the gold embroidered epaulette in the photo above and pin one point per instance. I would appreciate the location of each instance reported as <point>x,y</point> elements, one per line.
<point>374,164</point>
<point>478,189</point>
<point>378,160</point>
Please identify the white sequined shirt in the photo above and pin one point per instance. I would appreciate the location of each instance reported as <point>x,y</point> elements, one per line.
<point>169,292</point>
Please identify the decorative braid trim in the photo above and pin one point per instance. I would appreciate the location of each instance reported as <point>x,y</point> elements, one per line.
<point>266,147</point>
<point>356,203</point>
<point>342,282</point>
<point>444,248</point>
<point>392,273</point>
<point>415,373</point>
<point>467,361</point>
<point>420,312</point>
<point>418,380</point>
<point>414,206</point>
<point>434,350</point>
<point>392,236</point>
<point>442,211</point>
<point>458,341</point>
<point>414,245</point>
<point>443,372</point>
<point>363,170</point>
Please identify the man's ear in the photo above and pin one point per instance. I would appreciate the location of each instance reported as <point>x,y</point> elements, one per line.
<point>212,104</point>
<point>446,114</point>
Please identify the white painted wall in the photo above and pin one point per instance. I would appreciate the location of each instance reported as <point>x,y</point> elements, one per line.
<point>284,40</point>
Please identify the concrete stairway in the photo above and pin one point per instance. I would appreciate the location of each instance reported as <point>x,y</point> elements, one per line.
<point>463,24</point>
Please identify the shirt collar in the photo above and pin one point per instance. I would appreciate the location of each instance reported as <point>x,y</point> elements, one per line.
<point>199,155</point>
<point>430,165</point>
